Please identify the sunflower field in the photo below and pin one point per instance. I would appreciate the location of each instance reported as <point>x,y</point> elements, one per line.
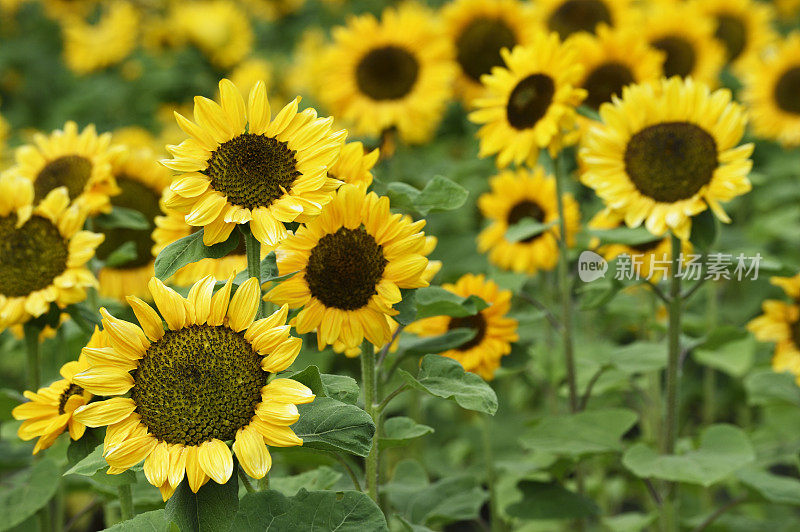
<point>408,266</point>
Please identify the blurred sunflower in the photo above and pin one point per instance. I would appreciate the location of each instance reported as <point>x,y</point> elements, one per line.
<point>494,332</point>
<point>530,102</point>
<point>479,29</point>
<point>567,17</point>
<point>272,10</point>
<point>43,251</point>
<point>218,28</point>
<point>239,166</point>
<point>519,195</point>
<point>78,161</point>
<point>249,72</point>
<point>351,263</point>
<point>686,36</point>
<point>780,323</point>
<point>666,152</point>
<point>787,8</point>
<point>194,386</point>
<point>772,93</point>
<point>59,9</point>
<point>303,73</point>
<point>354,165</point>
<point>392,73</point>
<point>89,47</point>
<point>141,180</point>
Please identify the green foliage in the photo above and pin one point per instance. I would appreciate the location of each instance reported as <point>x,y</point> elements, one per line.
<point>212,508</point>
<point>594,431</point>
<point>191,249</point>
<point>321,478</point>
<point>22,495</point>
<point>399,431</point>
<point>727,349</point>
<point>440,194</point>
<point>548,500</point>
<point>154,521</point>
<point>527,228</point>
<point>122,218</point>
<point>331,425</point>
<point>122,255</point>
<point>436,301</point>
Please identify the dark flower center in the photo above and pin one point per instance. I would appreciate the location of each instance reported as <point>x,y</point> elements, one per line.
<point>476,323</point>
<point>733,34</point>
<point>344,268</point>
<point>680,54</point>
<point>478,47</point>
<point>795,331</point>
<point>140,198</point>
<point>387,73</point>
<point>30,256</point>
<point>526,209</point>
<point>646,247</point>
<point>72,389</point>
<point>606,81</point>
<point>671,161</point>
<point>71,171</point>
<point>251,169</point>
<point>198,383</point>
<point>529,101</point>
<point>578,15</point>
<point>787,91</point>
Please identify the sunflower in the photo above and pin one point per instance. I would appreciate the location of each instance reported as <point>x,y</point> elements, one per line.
<point>194,386</point>
<point>531,101</point>
<point>393,73</point>
<point>273,10</point>
<point>239,167</point>
<point>78,161</point>
<point>354,165</point>
<point>771,92</point>
<point>686,36</point>
<point>494,332</point>
<point>251,71</point>
<point>89,47</point>
<point>220,29</point>
<point>479,29</point>
<point>780,323</point>
<point>665,152</point>
<point>43,252</point>
<point>351,262</point>
<point>141,181</point>
<point>567,17</point>
<point>48,413</point>
<point>517,195</point>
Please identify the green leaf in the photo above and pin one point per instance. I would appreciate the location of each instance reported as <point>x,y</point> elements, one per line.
<point>638,357</point>
<point>723,450</point>
<point>86,318</point>
<point>436,301</point>
<point>444,377</point>
<point>123,218</point>
<point>548,500</point>
<point>269,272</point>
<point>406,307</point>
<point>330,425</point>
<point>428,345</point>
<point>211,509</point>
<point>440,194</point>
<point>90,464</point>
<point>729,349</point>
<point>321,478</point>
<point>399,431</point>
<point>774,488</point>
<point>122,255</point>
<point>527,228</point>
<point>769,388</point>
<point>624,235</point>
<point>311,378</point>
<point>191,249</point>
<point>155,521</point>
<point>341,387</point>
<point>594,431</point>
<point>9,399</point>
<point>589,113</point>
<point>705,229</point>
<point>321,511</point>
<point>80,449</point>
<point>22,495</point>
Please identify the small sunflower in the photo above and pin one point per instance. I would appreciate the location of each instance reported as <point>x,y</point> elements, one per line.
<point>529,102</point>
<point>568,17</point>
<point>479,29</point>
<point>354,165</point>
<point>514,196</point>
<point>78,161</point>
<point>89,47</point>
<point>251,71</point>
<point>351,263</point>
<point>494,331</point>
<point>239,166</point>
<point>43,251</point>
<point>141,180</point>
<point>666,152</point>
<point>194,386</point>
<point>686,36</point>
<point>396,72</point>
<point>780,323</point>
<point>771,92</point>
<point>218,28</point>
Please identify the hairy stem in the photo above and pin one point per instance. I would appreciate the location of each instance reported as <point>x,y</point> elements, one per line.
<point>125,501</point>
<point>253,252</point>
<point>32,348</point>
<point>370,391</point>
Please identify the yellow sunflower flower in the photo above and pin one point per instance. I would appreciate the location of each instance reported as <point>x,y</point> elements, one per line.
<point>530,102</point>
<point>568,17</point>
<point>771,92</point>
<point>239,166</point>
<point>354,165</point>
<point>218,28</point>
<point>89,47</point>
<point>194,386</point>
<point>780,323</point>
<point>666,152</point>
<point>514,196</point>
<point>494,331</point>
<point>479,29</point>
<point>351,263</point>
<point>249,72</point>
<point>141,181</point>
<point>396,72</point>
<point>43,251</point>
<point>79,161</point>
<point>787,8</point>
<point>272,10</point>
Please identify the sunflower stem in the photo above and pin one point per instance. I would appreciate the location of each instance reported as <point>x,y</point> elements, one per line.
<point>253,252</point>
<point>370,391</point>
<point>245,481</point>
<point>125,501</point>
<point>32,348</point>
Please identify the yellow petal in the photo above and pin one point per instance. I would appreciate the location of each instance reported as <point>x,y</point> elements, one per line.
<point>156,465</point>
<point>276,435</point>
<point>287,391</point>
<point>102,413</point>
<point>130,452</point>
<point>124,336</point>
<point>177,464</point>
<point>169,303</point>
<point>216,460</point>
<point>194,473</point>
<point>252,453</point>
<point>244,305</point>
<point>219,303</point>
<point>200,297</point>
<point>104,380</point>
<point>148,318</point>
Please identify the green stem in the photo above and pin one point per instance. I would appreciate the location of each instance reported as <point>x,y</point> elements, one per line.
<point>32,348</point>
<point>349,469</point>
<point>125,501</point>
<point>245,481</point>
<point>709,375</point>
<point>253,252</point>
<point>495,521</point>
<point>370,391</point>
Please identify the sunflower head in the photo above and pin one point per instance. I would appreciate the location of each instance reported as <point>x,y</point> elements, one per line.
<point>354,164</point>
<point>219,28</point>
<point>89,47</point>
<point>570,17</point>
<point>194,385</point>
<point>780,323</point>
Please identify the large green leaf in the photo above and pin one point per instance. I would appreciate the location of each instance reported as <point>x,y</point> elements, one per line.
<point>122,218</point>
<point>527,228</point>
<point>122,255</point>
<point>770,388</point>
<point>444,377</point>
<point>321,511</point>
<point>155,521</point>
<point>22,495</point>
<point>331,425</point>
<point>95,466</point>
<point>774,488</point>
<point>624,235</point>
<point>321,478</point>
<point>427,345</point>
<point>548,500</point>
<point>339,387</point>
<point>436,301</point>
<point>729,349</point>
<point>439,194</point>
<point>191,249</point>
<point>594,431</point>
<point>211,509</point>
<point>723,450</point>
<point>400,430</point>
